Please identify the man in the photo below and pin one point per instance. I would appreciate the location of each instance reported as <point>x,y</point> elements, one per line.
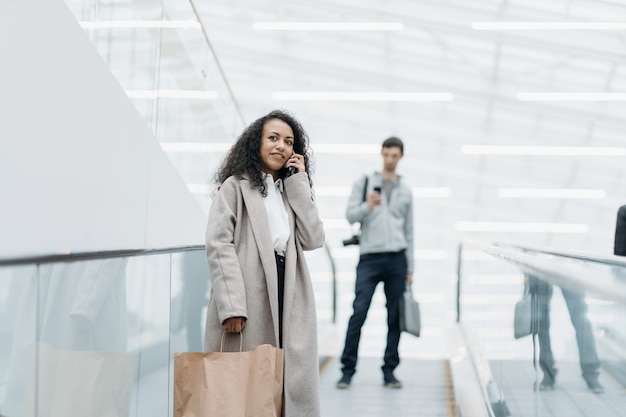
<point>386,255</point>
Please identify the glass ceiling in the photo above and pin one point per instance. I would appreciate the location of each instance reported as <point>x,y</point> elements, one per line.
<point>570,152</point>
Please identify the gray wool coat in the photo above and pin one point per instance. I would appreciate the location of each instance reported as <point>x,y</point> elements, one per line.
<point>245,282</point>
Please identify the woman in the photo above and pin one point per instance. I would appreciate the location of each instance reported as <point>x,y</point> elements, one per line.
<point>260,222</point>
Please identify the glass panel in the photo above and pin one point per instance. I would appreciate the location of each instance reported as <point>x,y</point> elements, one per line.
<point>190,298</point>
<point>190,288</point>
<point>84,364</point>
<point>159,54</point>
<point>607,322</point>
<point>99,335</point>
<point>18,330</point>
<point>86,338</point>
<point>148,317</point>
<point>579,347</point>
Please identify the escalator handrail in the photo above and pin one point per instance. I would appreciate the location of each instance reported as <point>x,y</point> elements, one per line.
<point>607,260</point>
<point>92,255</point>
<point>572,275</point>
<point>125,253</point>
<point>555,274</point>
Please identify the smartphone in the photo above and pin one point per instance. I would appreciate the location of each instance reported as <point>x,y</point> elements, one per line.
<point>377,189</point>
<point>291,171</point>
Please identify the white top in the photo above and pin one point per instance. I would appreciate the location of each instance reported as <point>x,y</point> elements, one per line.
<point>277,214</point>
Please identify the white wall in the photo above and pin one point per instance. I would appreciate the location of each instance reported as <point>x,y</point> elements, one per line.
<point>79,168</point>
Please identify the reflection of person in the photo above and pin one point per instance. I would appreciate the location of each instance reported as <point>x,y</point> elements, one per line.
<point>587,354</point>
<point>71,306</point>
<point>260,222</point>
<point>386,254</point>
<point>194,299</point>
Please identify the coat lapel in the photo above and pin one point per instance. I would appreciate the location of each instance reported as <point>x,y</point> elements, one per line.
<point>291,256</point>
<point>262,238</point>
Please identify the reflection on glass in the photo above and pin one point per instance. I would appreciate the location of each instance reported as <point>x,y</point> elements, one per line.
<point>580,330</point>
<point>577,309</point>
<point>70,326</point>
<point>148,301</point>
<point>15,338</point>
<point>189,304</point>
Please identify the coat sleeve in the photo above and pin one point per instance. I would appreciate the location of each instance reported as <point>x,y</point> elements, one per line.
<point>620,233</point>
<point>357,209</point>
<point>309,228</point>
<point>227,285</point>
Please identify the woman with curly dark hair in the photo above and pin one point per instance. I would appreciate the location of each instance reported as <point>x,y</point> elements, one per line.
<point>262,219</point>
<point>244,157</point>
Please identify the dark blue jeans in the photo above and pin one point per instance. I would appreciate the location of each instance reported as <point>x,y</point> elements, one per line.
<point>390,268</point>
<point>587,354</point>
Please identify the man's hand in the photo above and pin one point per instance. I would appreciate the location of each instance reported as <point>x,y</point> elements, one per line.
<point>373,199</point>
<point>409,278</point>
<point>234,324</point>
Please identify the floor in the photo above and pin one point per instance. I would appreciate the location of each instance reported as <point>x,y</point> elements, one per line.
<point>424,392</point>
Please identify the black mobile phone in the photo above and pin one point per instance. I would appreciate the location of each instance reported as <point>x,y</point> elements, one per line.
<point>291,171</point>
<point>377,189</point>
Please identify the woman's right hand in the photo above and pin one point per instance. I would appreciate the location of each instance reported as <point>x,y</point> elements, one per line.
<point>234,324</point>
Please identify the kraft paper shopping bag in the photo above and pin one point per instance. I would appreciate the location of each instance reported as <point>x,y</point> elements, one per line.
<point>229,384</point>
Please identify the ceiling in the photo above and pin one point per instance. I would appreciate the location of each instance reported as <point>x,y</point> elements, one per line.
<point>438,50</point>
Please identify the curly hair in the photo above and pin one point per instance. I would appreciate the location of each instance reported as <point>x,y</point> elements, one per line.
<point>244,158</point>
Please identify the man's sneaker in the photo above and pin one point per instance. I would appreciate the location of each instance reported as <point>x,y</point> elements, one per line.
<point>344,382</point>
<point>595,386</point>
<point>392,382</point>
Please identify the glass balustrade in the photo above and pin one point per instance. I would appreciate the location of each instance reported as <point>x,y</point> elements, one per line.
<point>576,361</point>
<point>90,335</point>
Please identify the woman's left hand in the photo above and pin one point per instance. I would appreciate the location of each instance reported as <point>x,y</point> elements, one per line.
<point>297,161</point>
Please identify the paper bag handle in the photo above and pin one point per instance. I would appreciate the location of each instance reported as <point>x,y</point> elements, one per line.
<point>240,342</point>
